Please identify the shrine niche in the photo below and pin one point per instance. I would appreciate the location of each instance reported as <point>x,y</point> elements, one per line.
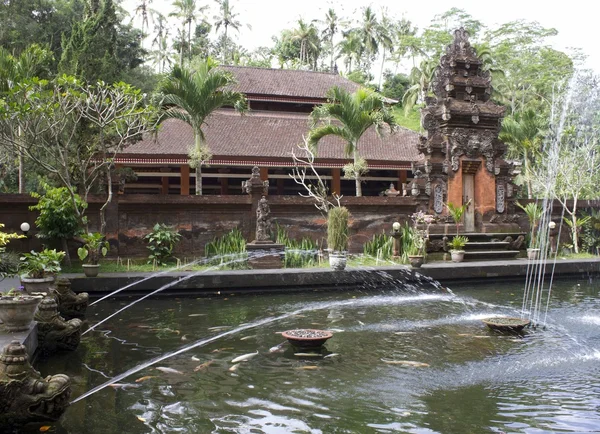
<point>462,155</point>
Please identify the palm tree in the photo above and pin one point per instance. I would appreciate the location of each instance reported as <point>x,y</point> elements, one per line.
<point>370,35</point>
<point>192,97</point>
<point>332,23</point>
<point>384,37</point>
<point>355,113</point>
<point>310,44</point>
<point>187,11</point>
<point>142,10</point>
<point>226,18</point>
<point>524,132</point>
<point>351,48</point>
<point>421,79</point>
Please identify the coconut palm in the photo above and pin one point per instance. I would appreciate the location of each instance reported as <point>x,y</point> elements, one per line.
<point>351,48</point>
<point>421,79</point>
<point>226,19</point>
<point>355,113</point>
<point>384,36</point>
<point>192,97</point>
<point>307,36</point>
<point>332,24</point>
<point>143,11</point>
<point>187,11</point>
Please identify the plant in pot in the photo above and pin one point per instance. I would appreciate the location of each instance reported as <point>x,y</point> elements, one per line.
<point>38,269</point>
<point>17,309</point>
<point>337,236</point>
<point>534,213</point>
<point>456,212</point>
<point>418,236</point>
<point>457,248</point>
<point>94,246</point>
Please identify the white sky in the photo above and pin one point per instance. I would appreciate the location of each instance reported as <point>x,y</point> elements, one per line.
<point>577,21</point>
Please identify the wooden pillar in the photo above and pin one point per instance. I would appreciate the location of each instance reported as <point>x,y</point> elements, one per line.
<point>184,184</point>
<point>264,173</point>
<point>402,178</point>
<point>165,185</point>
<point>224,181</point>
<point>336,183</point>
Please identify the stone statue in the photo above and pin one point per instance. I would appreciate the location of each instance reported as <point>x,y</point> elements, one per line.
<point>70,305</point>
<point>24,395</point>
<point>263,221</point>
<point>54,333</point>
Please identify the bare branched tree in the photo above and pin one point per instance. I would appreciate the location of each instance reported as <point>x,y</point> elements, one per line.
<point>306,175</point>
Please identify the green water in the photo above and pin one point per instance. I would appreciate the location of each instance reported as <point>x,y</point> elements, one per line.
<point>476,381</point>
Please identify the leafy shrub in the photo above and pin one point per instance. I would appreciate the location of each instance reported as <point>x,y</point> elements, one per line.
<point>161,242</point>
<point>94,246</point>
<point>228,250</point>
<point>298,254</point>
<point>590,234</point>
<point>9,264</point>
<point>458,242</point>
<point>37,265</point>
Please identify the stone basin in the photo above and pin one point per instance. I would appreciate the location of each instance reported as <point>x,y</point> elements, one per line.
<point>307,338</point>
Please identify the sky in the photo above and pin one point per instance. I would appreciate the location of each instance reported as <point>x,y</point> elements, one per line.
<point>575,20</point>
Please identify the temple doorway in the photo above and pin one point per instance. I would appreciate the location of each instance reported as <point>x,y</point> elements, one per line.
<point>469,194</point>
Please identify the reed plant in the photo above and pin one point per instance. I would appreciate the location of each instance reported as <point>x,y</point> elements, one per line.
<point>298,253</point>
<point>381,246</point>
<point>228,250</point>
<point>337,229</point>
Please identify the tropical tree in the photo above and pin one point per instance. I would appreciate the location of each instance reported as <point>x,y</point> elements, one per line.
<point>192,96</point>
<point>351,48</point>
<point>352,114</point>
<point>307,35</point>
<point>421,79</point>
<point>385,40</point>
<point>332,24</point>
<point>524,132</point>
<point>142,9</point>
<point>226,19</point>
<point>187,11</point>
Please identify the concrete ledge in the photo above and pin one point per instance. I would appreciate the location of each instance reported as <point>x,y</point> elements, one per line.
<point>28,338</point>
<point>285,280</point>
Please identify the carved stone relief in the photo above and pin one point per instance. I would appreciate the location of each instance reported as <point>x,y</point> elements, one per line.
<point>500,199</point>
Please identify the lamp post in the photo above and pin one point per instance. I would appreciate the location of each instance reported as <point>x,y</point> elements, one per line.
<point>25,228</point>
<point>396,234</point>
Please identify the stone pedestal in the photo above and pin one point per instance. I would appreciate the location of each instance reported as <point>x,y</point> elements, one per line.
<point>265,254</point>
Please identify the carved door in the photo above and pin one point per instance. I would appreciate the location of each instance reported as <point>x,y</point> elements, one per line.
<point>468,194</point>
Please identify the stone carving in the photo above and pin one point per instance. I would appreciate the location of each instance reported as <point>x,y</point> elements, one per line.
<point>263,221</point>
<point>70,305</point>
<point>392,192</point>
<point>54,333</point>
<point>24,395</point>
<point>438,199</point>
<point>437,245</point>
<point>500,198</point>
<point>515,244</point>
<point>255,185</point>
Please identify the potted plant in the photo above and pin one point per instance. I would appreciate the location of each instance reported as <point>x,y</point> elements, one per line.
<point>337,236</point>
<point>94,246</point>
<point>534,213</point>
<point>38,269</point>
<point>17,309</point>
<point>457,248</point>
<point>418,236</point>
<point>456,212</point>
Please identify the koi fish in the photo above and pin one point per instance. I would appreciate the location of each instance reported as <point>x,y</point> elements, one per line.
<point>147,377</point>
<point>308,368</point>
<point>234,368</point>
<point>124,386</point>
<point>331,355</point>
<point>406,363</point>
<point>203,366</point>
<point>218,328</point>
<point>307,355</point>
<point>248,337</point>
<point>195,359</point>
<point>244,357</point>
<point>168,370</point>
<point>218,350</point>
<point>277,348</point>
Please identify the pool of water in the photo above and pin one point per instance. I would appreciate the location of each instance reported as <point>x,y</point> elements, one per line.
<point>465,379</point>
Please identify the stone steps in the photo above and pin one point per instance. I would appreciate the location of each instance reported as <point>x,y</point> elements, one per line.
<point>487,245</point>
<point>484,255</point>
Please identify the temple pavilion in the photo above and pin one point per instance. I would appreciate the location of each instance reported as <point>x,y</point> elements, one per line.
<point>280,102</point>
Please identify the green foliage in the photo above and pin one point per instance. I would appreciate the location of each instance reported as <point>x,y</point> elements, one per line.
<point>228,250</point>
<point>298,253</point>
<point>161,242</point>
<point>534,213</point>
<point>590,234</point>
<point>94,246</point>
<point>58,213</point>
<point>579,224</point>
<point>9,264</point>
<point>37,265</point>
<point>337,229</point>
<point>410,119</point>
<point>458,242</point>
<point>456,212</point>
<point>380,246</point>
<point>5,238</point>
<point>395,85</point>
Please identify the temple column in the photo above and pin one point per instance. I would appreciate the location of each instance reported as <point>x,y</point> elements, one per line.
<point>184,184</point>
<point>165,185</point>
<point>224,181</point>
<point>336,182</point>
<point>402,178</point>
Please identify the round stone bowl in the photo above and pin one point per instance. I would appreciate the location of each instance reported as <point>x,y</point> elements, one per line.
<point>506,324</point>
<point>307,338</point>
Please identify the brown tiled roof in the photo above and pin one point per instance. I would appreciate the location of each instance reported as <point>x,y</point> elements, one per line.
<point>269,135</point>
<point>287,82</point>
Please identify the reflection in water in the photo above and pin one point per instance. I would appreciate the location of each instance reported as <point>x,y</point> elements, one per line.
<point>476,380</point>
